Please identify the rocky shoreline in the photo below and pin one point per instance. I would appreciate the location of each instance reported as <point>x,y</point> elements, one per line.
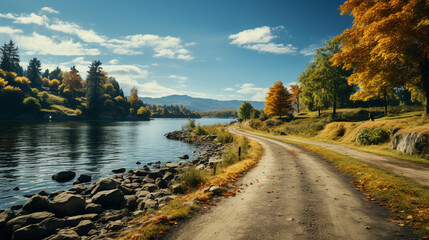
<point>104,209</point>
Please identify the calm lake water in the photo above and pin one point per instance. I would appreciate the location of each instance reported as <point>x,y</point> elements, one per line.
<point>31,152</point>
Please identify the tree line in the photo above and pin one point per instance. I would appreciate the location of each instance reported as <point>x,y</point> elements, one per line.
<point>29,91</point>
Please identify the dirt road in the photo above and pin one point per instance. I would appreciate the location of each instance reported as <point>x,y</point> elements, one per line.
<point>416,172</point>
<point>292,194</point>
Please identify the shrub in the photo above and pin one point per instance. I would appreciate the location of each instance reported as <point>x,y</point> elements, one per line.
<point>78,112</point>
<point>191,178</point>
<point>225,137</point>
<point>34,92</point>
<point>370,136</point>
<point>230,156</point>
<point>199,130</point>
<point>255,123</point>
<point>190,125</point>
<point>45,96</point>
<point>143,112</point>
<point>45,82</point>
<point>31,104</point>
<point>54,84</point>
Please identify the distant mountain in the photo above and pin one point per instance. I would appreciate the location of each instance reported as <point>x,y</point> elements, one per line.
<point>199,104</point>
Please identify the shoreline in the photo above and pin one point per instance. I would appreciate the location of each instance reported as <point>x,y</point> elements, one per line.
<point>104,207</point>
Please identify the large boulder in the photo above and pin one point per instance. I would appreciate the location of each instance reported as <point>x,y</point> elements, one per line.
<point>5,217</point>
<point>410,143</point>
<point>84,227</point>
<point>75,220</point>
<point>63,176</point>
<point>30,232</point>
<point>36,203</point>
<point>67,204</point>
<point>118,170</point>
<point>82,179</point>
<point>65,234</point>
<point>104,184</point>
<point>109,199</point>
<point>28,219</point>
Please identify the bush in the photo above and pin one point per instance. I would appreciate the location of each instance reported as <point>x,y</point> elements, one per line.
<point>31,104</point>
<point>370,136</point>
<point>78,112</point>
<point>255,123</point>
<point>225,137</point>
<point>199,130</point>
<point>230,156</point>
<point>143,112</point>
<point>190,125</point>
<point>34,92</point>
<point>45,97</point>
<point>191,178</point>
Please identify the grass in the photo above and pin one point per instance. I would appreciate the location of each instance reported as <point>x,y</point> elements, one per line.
<point>152,225</point>
<point>408,201</point>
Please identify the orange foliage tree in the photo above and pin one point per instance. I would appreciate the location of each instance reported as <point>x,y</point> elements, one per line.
<point>387,46</point>
<point>279,100</point>
<point>296,91</point>
<point>72,80</point>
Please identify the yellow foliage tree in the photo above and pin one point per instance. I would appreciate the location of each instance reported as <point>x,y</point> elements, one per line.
<point>72,80</point>
<point>134,99</point>
<point>279,100</point>
<point>387,46</point>
<point>295,89</point>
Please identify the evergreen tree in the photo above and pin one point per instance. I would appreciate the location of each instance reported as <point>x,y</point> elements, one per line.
<point>9,57</point>
<point>34,73</point>
<point>245,110</point>
<point>56,74</point>
<point>94,89</point>
<point>46,74</point>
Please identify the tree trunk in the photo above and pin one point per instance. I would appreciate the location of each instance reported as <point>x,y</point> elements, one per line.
<point>334,105</point>
<point>297,104</point>
<point>385,103</point>
<point>319,111</point>
<point>424,70</point>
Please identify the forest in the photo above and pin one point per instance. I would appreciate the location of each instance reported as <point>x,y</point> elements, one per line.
<point>63,94</point>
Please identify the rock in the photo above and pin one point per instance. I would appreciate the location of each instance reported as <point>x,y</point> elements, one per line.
<point>93,208</point>
<point>141,172</point>
<point>16,207</point>
<point>115,225</point>
<point>75,220</point>
<point>172,165</point>
<point>36,203</point>
<point>63,176</point>
<point>216,190</point>
<point>176,188</point>
<point>138,163</point>
<point>149,187</point>
<point>33,231</point>
<point>52,224</point>
<point>149,203</point>
<point>118,170</point>
<point>168,176</point>
<point>82,179</point>
<point>410,143</point>
<point>5,217</point>
<point>142,194</point>
<point>29,195</point>
<point>55,193</point>
<point>104,184</point>
<point>28,219</point>
<point>200,167</point>
<point>146,168</point>
<point>15,189</point>
<point>154,175</point>
<point>77,189</point>
<point>65,234</point>
<point>108,199</point>
<point>161,183</point>
<point>84,227</point>
<point>131,202</point>
<point>113,215</point>
<point>67,204</point>
<point>184,157</point>
<point>43,193</point>
<point>147,179</point>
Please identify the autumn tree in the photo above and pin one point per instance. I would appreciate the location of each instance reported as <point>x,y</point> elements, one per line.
<point>72,80</point>
<point>56,74</point>
<point>134,100</point>
<point>279,100</point>
<point>245,110</point>
<point>296,91</point>
<point>34,73</point>
<point>10,58</point>
<point>94,89</point>
<point>387,46</point>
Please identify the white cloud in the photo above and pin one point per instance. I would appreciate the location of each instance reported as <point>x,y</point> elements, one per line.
<point>309,50</point>
<point>49,10</point>
<point>177,77</point>
<point>260,39</point>
<point>229,89</point>
<point>89,36</point>
<point>259,94</point>
<point>169,47</point>
<point>9,30</point>
<point>43,45</point>
<point>114,61</point>
<point>26,18</point>
<point>219,59</point>
<point>155,64</point>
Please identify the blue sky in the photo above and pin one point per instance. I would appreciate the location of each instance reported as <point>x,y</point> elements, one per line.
<point>219,49</point>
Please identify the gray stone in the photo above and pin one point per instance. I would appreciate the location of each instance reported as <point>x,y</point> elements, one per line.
<point>200,167</point>
<point>161,183</point>
<point>108,199</point>
<point>113,215</point>
<point>177,188</point>
<point>93,208</point>
<point>118,170</point>
<point>77,189</point>
<point>104,184</point>
<point>28,219</point>
<point>67,204</point>
<point>216,190</point>
<point>43,193</point>
<point>83,178</point>
<point>84,227</point>
<point>75,220</point>
<point>131,202</point>
<point>33,231</point>
<point>149,187</point>
<point>115,225</point>
<point>142,194</point>
<point>5,217</point>
<point>36,203</point>
<point>65,234</point>
<point>63,176</point>
<point>168,176</point>
<point>154,175</point>
<point>52,224</point>
<point>149,203</point>
<point>410,143</point>
<point>184,157</point>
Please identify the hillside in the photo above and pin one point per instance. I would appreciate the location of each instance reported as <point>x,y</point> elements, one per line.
<point>199,104</point>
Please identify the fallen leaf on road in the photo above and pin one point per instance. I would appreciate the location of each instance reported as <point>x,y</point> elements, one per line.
<point>368,227</point>
<point>279,214</point>
<point>270,191</point>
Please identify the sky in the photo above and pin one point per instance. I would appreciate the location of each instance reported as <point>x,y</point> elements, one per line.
<point>219,49</point>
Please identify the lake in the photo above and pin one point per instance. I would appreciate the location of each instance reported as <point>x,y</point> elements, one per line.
<point>31,152</point>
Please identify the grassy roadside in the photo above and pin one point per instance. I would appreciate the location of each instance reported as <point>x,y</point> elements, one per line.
<point>408,201</point>
<point>153,225</point>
